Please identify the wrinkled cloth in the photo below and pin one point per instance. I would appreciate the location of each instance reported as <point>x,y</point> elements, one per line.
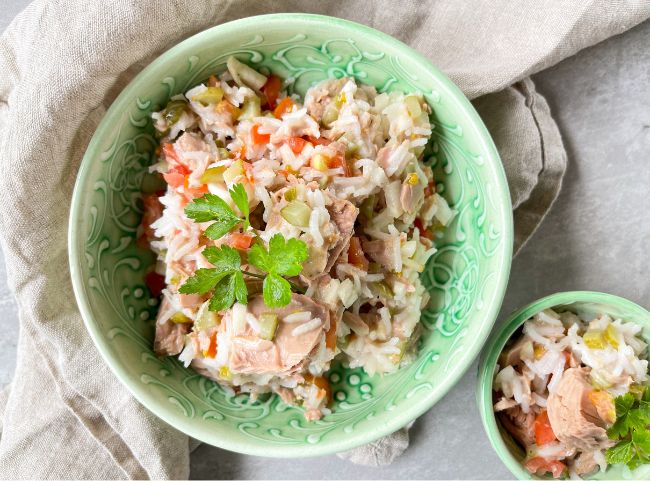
<point>64,62</point>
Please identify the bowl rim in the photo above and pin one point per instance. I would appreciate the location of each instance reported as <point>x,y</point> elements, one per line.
<point>494,347</point>
<point>397,420</point>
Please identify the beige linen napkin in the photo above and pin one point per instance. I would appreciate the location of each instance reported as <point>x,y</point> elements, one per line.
<point>61,65</point>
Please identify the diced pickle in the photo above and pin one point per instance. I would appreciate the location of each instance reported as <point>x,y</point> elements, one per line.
<point>381,290</point>
<point>330,114</point>
<point>594,339</point>
<point>211,95</point>
<point>368,206</point>
<point>268,324</point>
<point>340,99</point>
<point>539,351</point>
<point>319,162</point>
<point>180,318</point>
<point>251,108</point>
<point>402,344</point>
<point>223,153</point>
<point>296,213</point>
<point>206,320</point>
<point>235,170</point>
<point>291,194</point>
<point>611,336</point>
<point>173,111</point>
<point>213,175</point>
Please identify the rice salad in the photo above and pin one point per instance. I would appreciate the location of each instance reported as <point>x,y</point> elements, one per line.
<point>560,387</point>
<point>288,233</point>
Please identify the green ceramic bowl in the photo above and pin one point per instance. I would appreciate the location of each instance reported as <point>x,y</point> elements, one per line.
<point>579,302</point>
<point>467,277</point>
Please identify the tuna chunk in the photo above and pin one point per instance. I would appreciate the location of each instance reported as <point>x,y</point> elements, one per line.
<point>522,349</point>
<point>584,463</point>
<point>385,252</point>
<point>343,214</point>
<point>169,339</point>
<point>573,415</point>
<point>411,197</point>
<point>318,97</point>
<point>519,424</point>
<point>254,355</point>
<point>153,210</point>
<point>189,142</point>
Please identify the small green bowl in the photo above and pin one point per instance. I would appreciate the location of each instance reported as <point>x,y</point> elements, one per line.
<point>466,278</point>
<point>578,301</point>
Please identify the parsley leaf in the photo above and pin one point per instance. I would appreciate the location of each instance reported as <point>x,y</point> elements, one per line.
<point>202,281</point>
<point>276,290</point>
<point>631,431</point>
<point>283,258</point>
<point>240,198</point>
<point>622,425</point>
<point>211,207</point>
<point>622,452</point>
<point>225,278</point>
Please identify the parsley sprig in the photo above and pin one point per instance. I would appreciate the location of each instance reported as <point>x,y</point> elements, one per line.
<point>631,431</point>
<point>211,207</point>
<point>283,258</point>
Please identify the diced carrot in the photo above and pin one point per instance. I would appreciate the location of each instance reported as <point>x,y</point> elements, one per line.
<point>321,383</point>
<point>212,81</point>
<point>226,107</point>
<point>241,152</point>
<point>211,351</point>
<point>155,283</point>
<point>240,241</point>
<point>259,138</point>
<point>330,336</point>
<point>197,191</point>
<point>296,144</point>
<point>283,107</point>
<point>540,465</point>
<point>271,90</point>
<point>543,431</point>
<point>355,254</point>
<point>174,179</point>
<point>319,140</point>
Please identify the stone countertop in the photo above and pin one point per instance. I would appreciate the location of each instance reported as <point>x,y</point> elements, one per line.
<point>595,238</point>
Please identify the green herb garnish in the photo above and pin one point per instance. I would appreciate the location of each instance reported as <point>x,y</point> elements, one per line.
<point>211,207</point>
<point>283,258</point>
<point>631,431</point>
<point>226,281</point>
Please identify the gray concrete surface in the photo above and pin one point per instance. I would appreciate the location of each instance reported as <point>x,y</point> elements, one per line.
<point>596,237</point>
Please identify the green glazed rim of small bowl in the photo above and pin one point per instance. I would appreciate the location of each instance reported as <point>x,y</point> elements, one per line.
<point>494,347</point>
<point>398,419</point>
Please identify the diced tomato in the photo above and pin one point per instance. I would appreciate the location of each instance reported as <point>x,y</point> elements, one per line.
<point>296,144</point>
<point>283,107</point>
<point>240,241</point>
<point>170,153</point>
<point>284,173</point>
<point>271,90</point>
<point>423,232</point>
<point>355,254</point>
<point>319,140</point>
<point>543,431</point>
<point>330,336</point>
<point>540,465</point>
<point>155,283</point>
<point>211,351</point>
<point>339,161</point>
<point>174,179</point>
<point>322,383</point>
<point>259,138</point>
